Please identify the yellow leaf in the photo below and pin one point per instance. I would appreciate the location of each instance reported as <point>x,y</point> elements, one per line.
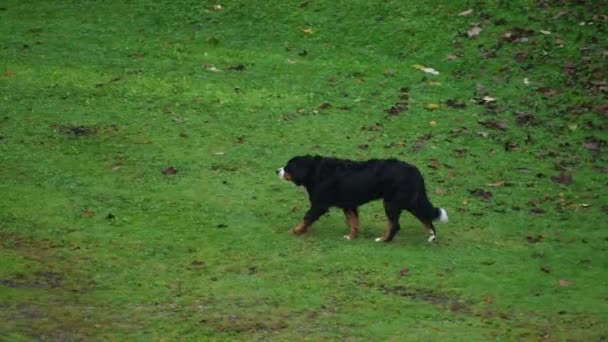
<point>308,30</point>
<point>433,123</point>
<point>418,66</point>
<point>432,106</point>
<point>435,84</point>
<point>573,127</point>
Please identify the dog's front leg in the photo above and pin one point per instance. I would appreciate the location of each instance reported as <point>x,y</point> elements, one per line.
<point>311,216</point>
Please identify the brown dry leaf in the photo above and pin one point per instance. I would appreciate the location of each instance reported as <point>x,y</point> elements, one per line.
<point>565,282</point>
<point>440,191</point>
<point>481,194</point>
<point>87,213</point>
<point>562,179</point>
<point>404,272</point>
<point>435,164</point>
<point>169,171</point>
<point>534,239</point>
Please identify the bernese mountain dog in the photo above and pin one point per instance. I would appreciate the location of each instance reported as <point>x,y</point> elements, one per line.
<point>347,184</point>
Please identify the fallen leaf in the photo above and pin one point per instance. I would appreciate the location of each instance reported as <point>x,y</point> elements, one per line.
<point>482,194</point>
<point>87,213</point>
<point>466,13</point>
<point>97,325</point>
<point>496,184</point>
<point>488,299</point>
<point>474,32</point>
<point>169,171</point>
<point>560,14</point>
<point>325,105</point>
<point>548,92</point>
<point>217,7</point>
<point>440,191</point>
<point>534,239</point>
<point>435,164</point>
<point>430,71</point>
<point>8,73</point>
<point>456,104</point>
<point>562,179</point>
<point>525,118</point>
<point>419,144</point>
<point>238,67</point>
<point>594,144</point>
<point>546,33</point>
<point>451,57</point>
<point>494,124</point>
<point>219,154</point>
<point>308,31</point>
<point>433,123</point>
<point>404,272</point>
<point>516,35</point>
<point>432,106</point>
<point>537,211</point>
<point>564,282</point>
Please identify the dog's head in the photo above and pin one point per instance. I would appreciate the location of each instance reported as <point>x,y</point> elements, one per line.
<point>298,169</point>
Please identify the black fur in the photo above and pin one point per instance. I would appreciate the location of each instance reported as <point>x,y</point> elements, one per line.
<point>348,184</point>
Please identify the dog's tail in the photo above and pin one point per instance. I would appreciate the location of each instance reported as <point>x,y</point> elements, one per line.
<point>440,214</point>
<point>428,211</point>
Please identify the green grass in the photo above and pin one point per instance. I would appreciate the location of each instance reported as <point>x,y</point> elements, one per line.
<point>98,98</point>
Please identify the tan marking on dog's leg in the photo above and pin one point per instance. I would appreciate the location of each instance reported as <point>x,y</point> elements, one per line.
<point>353,222</point>
<point>428,226</point>
<point>301,228</point>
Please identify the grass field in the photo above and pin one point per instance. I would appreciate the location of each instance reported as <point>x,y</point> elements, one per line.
<point>139,139</point>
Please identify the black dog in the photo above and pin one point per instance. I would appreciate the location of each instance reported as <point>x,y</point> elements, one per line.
<point>348,184</point>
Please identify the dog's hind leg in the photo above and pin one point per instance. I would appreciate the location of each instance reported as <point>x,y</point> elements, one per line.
<point>352,219</point>
<point>430,228</point>
<point>393,212</point>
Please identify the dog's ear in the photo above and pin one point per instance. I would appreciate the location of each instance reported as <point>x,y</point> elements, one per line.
<point>300,169</point>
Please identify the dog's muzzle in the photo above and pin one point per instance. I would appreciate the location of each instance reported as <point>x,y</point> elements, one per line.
<point>281,173</point>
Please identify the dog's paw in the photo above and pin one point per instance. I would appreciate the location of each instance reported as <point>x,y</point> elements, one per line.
<point>431,238</point>
<point>349,237</point>
<point>380,239</point>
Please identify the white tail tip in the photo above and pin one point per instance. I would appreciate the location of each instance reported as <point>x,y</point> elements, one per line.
<point>443,216</point>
